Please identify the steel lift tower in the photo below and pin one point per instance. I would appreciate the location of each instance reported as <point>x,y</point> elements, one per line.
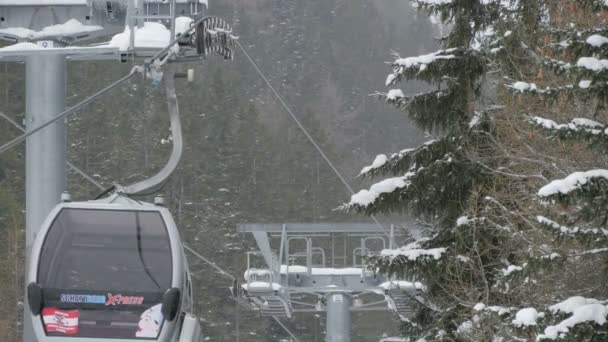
<point>47,34</point>
<point>320,268</point>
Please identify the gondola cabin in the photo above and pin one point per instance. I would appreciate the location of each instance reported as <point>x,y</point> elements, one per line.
<point>110,270</point>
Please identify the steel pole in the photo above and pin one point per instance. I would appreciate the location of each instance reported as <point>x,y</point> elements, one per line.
<point>45,152</point>
<point>338,317</point>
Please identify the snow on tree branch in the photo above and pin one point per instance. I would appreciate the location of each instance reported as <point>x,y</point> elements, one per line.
<point>596,40</point>
<point>409,260</point>
<point>556,64</point>
<point>573,33</point>
<point>366,197</point>
<point>511,269</point>
<point>416,63</point>
<point>594,44</point>
<point>592,63</point>
<point>439,174</point>
<point>403,160</point>
<point>392,260</point>
<point>395,95</point>
<point>582,311</point>
<point>526,317</point>
<point>584,65</point>
<point>421,62</point>
<point>592,252</point>
<point>569,305</point>
<point>434,109</point>
<point>380,161</point>
<point>413,251</point>
<point>490,6</point>
<point>497,309</point>
<point>571,183</point>
<point>575,125</point>
<point>438,65</point>
<point>523,87</point>
<point>583,87</point>
<point>571,232</point>
<point>595,133</point>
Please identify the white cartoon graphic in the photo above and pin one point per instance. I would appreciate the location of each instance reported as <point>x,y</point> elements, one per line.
<point>150,322</point>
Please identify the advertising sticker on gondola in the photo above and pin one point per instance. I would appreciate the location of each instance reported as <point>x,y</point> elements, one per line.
<point>108,300</point>
<point>60,321</point>
<point>82,299</point>
<point>118,299</point>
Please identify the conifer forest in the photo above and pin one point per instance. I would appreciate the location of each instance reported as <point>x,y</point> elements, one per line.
<point>478,129</point>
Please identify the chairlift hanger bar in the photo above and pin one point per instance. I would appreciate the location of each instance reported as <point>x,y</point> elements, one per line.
<point>156,181</point>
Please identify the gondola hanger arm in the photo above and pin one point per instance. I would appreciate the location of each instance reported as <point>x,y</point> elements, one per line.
<point>155,182</point>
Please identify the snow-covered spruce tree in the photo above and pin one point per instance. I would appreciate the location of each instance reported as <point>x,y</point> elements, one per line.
<point>574,205</point>
<point>444,182</point>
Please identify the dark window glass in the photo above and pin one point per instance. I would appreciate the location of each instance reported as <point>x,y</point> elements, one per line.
<point>102,253</point>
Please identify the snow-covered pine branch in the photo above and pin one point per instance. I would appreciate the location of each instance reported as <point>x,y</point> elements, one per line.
<point>434,67</point>
<point>406,261</point>
<point>575,319</point>
<point>403,161</point>
<point>581,129</point>
<point>587,66</point>
<point>588,189</point>
<point>573,33</point>
<point>521,87</point>
<point>487,10</point>
<point>580,184</point>
<point>413,251</point>
<point>433,110</point>
<point>436,183</point>
<point>593,44</point>
<point>558,66</point>
<point>574,232</point>
<point>385,188</point>
<point>584,88</point>
<point>585,317</point>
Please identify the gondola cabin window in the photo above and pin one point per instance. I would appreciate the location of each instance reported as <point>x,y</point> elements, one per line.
<point>103,274</point>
